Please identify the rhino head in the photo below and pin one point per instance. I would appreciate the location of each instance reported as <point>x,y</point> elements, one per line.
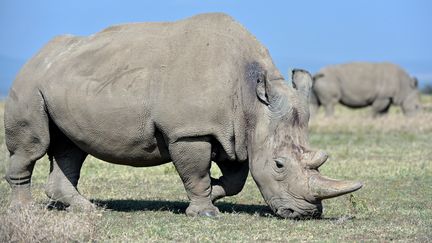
<point>281,163</point>
<point>411,102</point>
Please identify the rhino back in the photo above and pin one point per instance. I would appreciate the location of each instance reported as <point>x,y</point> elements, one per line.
<point>114,90</point>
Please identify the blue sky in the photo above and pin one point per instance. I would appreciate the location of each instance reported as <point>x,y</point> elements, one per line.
<point>304,34</point>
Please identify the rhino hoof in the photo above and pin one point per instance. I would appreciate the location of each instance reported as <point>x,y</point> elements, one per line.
<point>81,208</point>
<point>81,204</point>
<point>20,206</point>
<point>207,213</point>
<point>195,210</point>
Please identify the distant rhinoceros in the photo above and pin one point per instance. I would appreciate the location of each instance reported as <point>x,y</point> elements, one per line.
<point>193,91</point>
<point>359,85</point>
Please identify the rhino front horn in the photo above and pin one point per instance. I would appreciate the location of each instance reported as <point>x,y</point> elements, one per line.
<point>323,187</point>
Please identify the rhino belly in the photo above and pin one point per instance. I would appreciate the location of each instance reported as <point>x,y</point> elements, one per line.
<point>114,130</point>
<point>126,151</point>
<point>355,102</point>
<point>357,96</point>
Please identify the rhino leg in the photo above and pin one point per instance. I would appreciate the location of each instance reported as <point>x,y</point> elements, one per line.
<point>191,158</point>
<point>380,107</point>
<point>19,178</point>
<point>329,109</point>
<point>66,162</point>
<point>327,91</point>
<point>232,181</point>
<point>329,102</point>
<point>27,139</point>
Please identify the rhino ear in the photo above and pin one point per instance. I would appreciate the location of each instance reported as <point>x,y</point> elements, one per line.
<point>302,81</point>
<point>262,88</point>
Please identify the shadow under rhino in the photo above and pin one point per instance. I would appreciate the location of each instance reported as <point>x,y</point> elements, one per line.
<point>179,207</point>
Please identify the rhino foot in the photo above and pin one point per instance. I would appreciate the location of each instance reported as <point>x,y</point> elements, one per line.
<point>207,213</point>
<point>82,208</point>
<point>20,198</point>
<point>81,205</point>
<point>202,211</point>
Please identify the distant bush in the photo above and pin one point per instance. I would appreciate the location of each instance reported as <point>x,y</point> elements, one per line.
<point>427,89</point>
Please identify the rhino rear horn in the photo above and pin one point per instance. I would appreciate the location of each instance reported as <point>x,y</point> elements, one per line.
<point>322,187</point>
<point>318,159</point>
<point>302,80</point>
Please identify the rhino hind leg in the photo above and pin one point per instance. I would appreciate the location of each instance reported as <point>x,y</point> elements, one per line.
<point>192,160</point>
<point>329,101</point>
<point>66,161</point>
<point>27,140</point>
<point>232,181</point>
<point>380,107</point>
<point>19,178</point>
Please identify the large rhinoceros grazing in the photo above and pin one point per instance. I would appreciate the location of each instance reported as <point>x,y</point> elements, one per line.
<point>358,85</point>
<point>194,91</point>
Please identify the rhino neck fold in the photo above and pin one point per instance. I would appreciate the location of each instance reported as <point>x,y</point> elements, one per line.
<point>258,154</point>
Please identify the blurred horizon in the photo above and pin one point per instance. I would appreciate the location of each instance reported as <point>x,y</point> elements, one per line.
<point>305,34</point>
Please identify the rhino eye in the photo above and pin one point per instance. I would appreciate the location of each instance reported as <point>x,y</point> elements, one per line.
<point>280,162</point>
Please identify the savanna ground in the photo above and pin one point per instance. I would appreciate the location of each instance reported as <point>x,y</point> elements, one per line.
<point>391,155</point>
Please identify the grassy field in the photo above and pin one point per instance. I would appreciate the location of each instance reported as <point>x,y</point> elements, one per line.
<point>391,155</point>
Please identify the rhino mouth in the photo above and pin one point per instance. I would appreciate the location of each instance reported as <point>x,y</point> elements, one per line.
<point>286,209</point>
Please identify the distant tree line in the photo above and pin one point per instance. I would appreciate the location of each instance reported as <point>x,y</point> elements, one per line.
<point>427,89</point>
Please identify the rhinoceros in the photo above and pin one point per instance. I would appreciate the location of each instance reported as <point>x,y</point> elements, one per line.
<point>361,84</point>
<point>193,91</point>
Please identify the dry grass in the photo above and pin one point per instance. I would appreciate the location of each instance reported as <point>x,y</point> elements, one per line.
<point>37,224</point>
<point>360,120</point>
<point>361,123</point>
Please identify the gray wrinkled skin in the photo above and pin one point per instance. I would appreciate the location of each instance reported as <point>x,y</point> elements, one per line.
<point>193,91</point>
<point>358,85</point>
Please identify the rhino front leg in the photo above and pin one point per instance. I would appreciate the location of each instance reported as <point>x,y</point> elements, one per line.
<point>191,158</point>
<point>329,109</point>
<point>380,107</point>
<point>232,181</point>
